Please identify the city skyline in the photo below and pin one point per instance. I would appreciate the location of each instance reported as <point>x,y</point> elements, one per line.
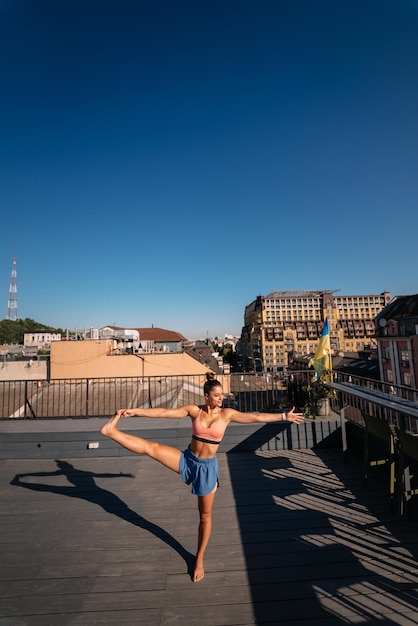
<point>164,164</point>
<point>223,335</point>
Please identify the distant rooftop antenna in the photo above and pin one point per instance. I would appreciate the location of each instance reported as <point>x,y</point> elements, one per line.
<point>12,302</point>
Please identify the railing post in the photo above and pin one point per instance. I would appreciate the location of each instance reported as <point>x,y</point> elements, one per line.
<point>343,423</point>
<point>87,396</point>
<point>149,393</point>
<point>26,399</point>
<point>27,403</point>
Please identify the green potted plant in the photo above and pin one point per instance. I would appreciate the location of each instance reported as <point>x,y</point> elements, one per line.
<point>317,397</point>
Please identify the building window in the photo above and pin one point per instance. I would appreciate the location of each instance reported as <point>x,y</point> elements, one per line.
<point>404,354</point>
<point>406,378</point>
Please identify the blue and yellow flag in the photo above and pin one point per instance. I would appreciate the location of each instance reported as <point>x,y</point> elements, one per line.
<point>322,361</point>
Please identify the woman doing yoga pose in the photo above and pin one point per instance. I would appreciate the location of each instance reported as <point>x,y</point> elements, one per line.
<point>198,464</point>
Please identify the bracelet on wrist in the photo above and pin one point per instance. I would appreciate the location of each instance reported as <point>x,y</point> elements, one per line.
<point>284,417</point>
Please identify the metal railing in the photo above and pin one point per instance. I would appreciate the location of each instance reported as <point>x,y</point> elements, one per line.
<point>262,392</point>
<point>93,397</point>
<point>396,404</point>
<point>396,391</point>
<point>97,397</point>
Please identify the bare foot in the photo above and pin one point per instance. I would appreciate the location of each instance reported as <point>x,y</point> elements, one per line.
<point>110,426</point>
<point>199,572</point>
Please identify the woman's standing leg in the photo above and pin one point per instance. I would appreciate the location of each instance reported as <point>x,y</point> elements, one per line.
<point>168,456</point>
<point>205,504</point>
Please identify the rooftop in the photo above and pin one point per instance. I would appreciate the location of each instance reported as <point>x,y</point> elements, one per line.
<point>154,334</point>
<point>297,539</point>
<point>400,307</point>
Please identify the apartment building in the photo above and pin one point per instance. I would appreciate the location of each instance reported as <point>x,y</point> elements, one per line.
<point>286,324</point>
<point>397,341</point>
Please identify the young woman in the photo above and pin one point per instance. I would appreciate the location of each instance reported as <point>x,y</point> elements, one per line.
<point>198,464</point>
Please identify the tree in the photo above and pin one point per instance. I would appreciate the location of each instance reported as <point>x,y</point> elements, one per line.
<point>13,331</point>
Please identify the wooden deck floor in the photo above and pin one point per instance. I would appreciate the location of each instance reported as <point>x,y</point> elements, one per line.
<point>296,539</point>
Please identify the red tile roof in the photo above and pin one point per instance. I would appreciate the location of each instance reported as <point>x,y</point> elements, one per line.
<point>154,334</point>
<point>159,334</point>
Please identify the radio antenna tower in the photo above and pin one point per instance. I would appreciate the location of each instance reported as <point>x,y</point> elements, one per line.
<point>12,302</point>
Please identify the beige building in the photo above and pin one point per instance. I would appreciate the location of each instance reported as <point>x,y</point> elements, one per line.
<point>288,323</point>
<point>100,359</point>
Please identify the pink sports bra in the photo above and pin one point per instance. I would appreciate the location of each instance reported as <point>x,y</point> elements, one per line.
<point>212,434</point>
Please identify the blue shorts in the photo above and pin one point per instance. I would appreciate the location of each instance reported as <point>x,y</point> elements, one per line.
<point>201,474</point>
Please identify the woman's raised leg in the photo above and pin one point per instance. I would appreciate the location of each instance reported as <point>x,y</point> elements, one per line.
<point>168,456</point>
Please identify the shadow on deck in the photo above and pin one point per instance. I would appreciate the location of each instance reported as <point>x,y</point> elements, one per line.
<point>318,545</point>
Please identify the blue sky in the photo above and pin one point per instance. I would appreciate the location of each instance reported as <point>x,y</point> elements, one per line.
<point>164,162</point>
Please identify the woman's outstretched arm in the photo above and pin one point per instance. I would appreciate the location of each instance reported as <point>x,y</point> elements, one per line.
<point>183,411</point>
<point>263,418</point>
